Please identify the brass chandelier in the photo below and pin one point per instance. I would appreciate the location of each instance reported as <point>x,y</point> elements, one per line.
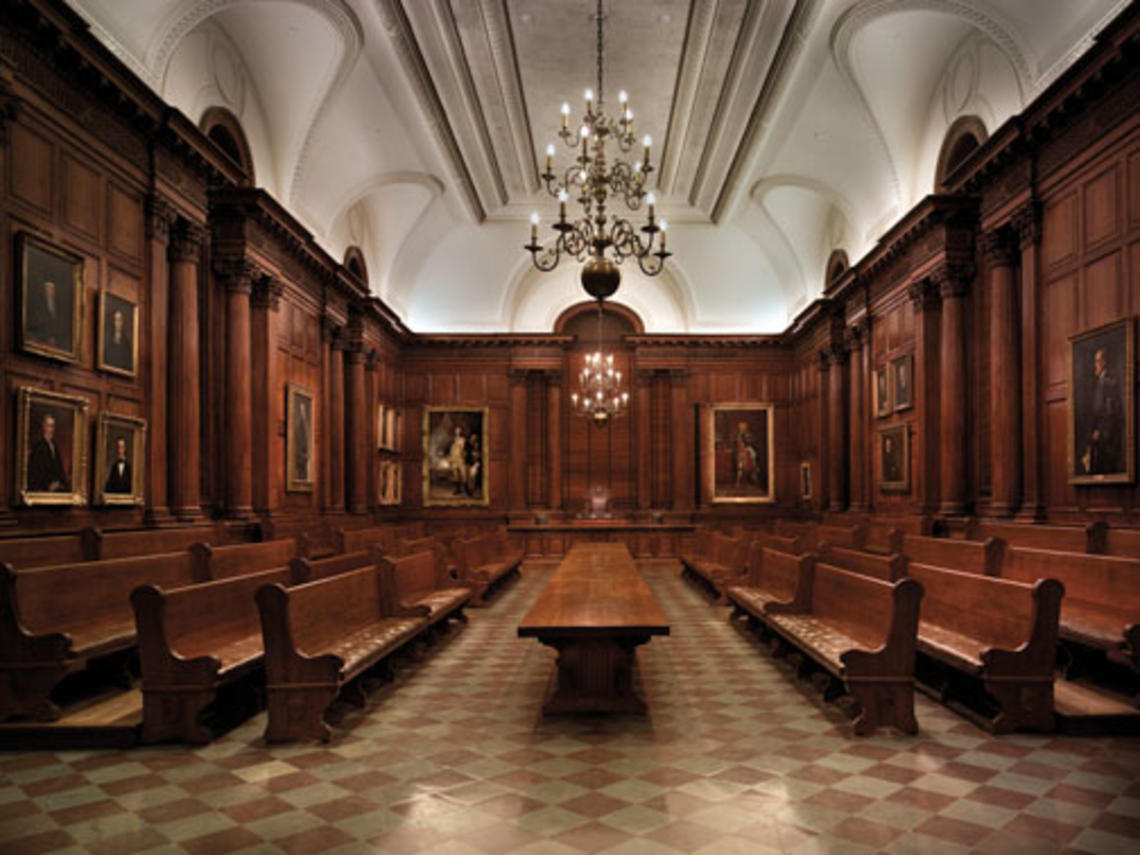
<point>598,238</point>
<point>600,397</point>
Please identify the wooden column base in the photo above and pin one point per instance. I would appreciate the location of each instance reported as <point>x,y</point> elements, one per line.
<point>595,675</point>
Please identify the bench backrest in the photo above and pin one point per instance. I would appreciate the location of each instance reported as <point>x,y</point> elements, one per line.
<point>225,562</point>
<point>1124,542</point>
<point>125,544</point>
<point>859,605</point>
<point>885,567</point>
<point>24,552</point>
<point>969,556</point>
<point>731,552</point>
<point>779,542</point>
<point>303,570</point>
<point>805,531</point>
<point>322,612</point>
<point>1061,538</point>
<point>787,577</point>
<point>997,612</point>
<point>703,542</point>
<point>849,536</point>
<point>69,596</point>
<point>474,552</point>
<point>354,540</point>
<point>198,619</point>
<point>408,577</point>
<point>1107,579</point>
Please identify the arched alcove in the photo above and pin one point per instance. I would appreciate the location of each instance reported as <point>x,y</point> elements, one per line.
<point>354,263</point>
<point>224,131</point>
<point>965,135</point>
<point>837,265</point>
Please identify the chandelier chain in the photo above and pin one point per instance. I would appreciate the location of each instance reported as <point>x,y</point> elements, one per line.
<point>601,54</point>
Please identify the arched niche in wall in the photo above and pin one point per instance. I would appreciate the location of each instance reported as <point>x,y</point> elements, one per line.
<point>581,320</point>
<point>354,264</point>
<point>966,134</point>
<point>224,131</point>
<point>837,265</point>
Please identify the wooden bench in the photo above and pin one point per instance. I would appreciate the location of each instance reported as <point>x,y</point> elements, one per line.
<point>863,632</point>
<point>316,532</point>
<point>318,637</point>
<point>45,551</point>
<point>723,563</point>
<point>775,581</point>
<point>1124,542</point>
<point>485,562</point>
<point>226,562</point>
<point>150,541</point>
<point>779,542</point>
<point>192,640</point>
<point>849,536</point>
<point>384,536</point>
<point>1060,538</point>
<point>877,566</point>
<point>1101,609</point>
<point>885,532</point>
<point>998,631</point>
<point>55,620</point>
<point>303,570</point>
<point>420,586</point>
<point>804,531</point>
<point>968,556</point>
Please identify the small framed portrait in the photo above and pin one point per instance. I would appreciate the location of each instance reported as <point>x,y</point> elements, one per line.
<point>902,382</point>
<point>1102,441</point>
<point>738,452</point>
<point>392,428</point>
<point>894,459</point>
<point>805,480</point>
<point>883,404</point>
<point>455,466</point>
<point>51,300</point>
<point>51,451</point>
<point>120,456</point>
<point>299,462</point>
<point>118,334</point>
<point>381,427</point>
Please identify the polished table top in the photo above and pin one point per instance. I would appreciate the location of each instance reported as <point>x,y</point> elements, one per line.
<point>596,590</point>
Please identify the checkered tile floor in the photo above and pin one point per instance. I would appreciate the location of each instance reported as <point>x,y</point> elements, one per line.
<point>736,756</point>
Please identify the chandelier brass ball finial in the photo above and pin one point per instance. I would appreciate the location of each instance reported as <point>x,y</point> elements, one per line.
<point>600,277</point>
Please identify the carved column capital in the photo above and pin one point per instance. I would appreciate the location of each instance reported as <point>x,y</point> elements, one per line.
<point>953,278</point>
<point>237,274</point>
<point>331,331</point>
<point>923,293</point>
<point>1026,221</point>
<point>1000,246</point>
<point>840,353</point>
<point>824,355</point>
<point>186,239</point>
<point>9,102</point>
<point>371,360</point>
<point>267,291</point>
<point>857,333</point>
<point>160,218</point>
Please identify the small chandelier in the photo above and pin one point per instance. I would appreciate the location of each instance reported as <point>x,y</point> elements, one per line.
<point>600,239</point>
<point>600,397</point>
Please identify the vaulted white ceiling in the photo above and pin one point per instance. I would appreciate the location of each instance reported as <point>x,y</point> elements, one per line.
<point>416,129</point>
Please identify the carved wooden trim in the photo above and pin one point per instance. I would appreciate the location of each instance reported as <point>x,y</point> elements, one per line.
<point>186,240</point>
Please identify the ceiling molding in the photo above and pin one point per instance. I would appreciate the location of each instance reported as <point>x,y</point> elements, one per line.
<point>399,30</point>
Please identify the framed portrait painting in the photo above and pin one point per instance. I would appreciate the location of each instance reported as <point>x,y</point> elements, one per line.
<point>51,300</point>
<point>51,448</point>
<point>118,334</point>
<point>299,462</point>
<point>120,458</point>
<point>894,459</point>
<point>1102,440</point>
<point>902,382</point>
<point>455,466</point>
<point>805,481</point>
<point>381,427</point>
<point>883,403</point>
<point>738,452</point>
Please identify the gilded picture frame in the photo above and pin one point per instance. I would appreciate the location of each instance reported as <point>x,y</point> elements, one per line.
<point>51,447</point>
<point>739,453</point>
<point>120,460</point>
<point>455,465</point>
<point>50,292</point>
<point>300,421</point>
<point>894,459</point>
<point>806,491</point>
<point>1102,438</point>
<point>884,405</point>
<point>902,383</point>
<point>118,334</point>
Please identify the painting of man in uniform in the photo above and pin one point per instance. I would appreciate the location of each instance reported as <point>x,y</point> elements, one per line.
<point>742,448</point>
<point>454,457</point>
<point>51,447</point>
<point>1101,405</point>
<point>52,300</point>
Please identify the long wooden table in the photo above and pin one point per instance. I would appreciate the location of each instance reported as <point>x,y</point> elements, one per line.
<point>595,611</point>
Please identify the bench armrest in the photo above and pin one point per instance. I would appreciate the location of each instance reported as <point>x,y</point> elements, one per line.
<point>17,642</point>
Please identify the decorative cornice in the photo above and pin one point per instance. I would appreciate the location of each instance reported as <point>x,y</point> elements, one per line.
<point>465,340</point>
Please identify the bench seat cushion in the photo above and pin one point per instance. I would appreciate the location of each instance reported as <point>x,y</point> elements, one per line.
<point>951,647</point>
<point>1095,624</point>
<point>822,641</point>
<point>366,645</point>
<point>753,599</point>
